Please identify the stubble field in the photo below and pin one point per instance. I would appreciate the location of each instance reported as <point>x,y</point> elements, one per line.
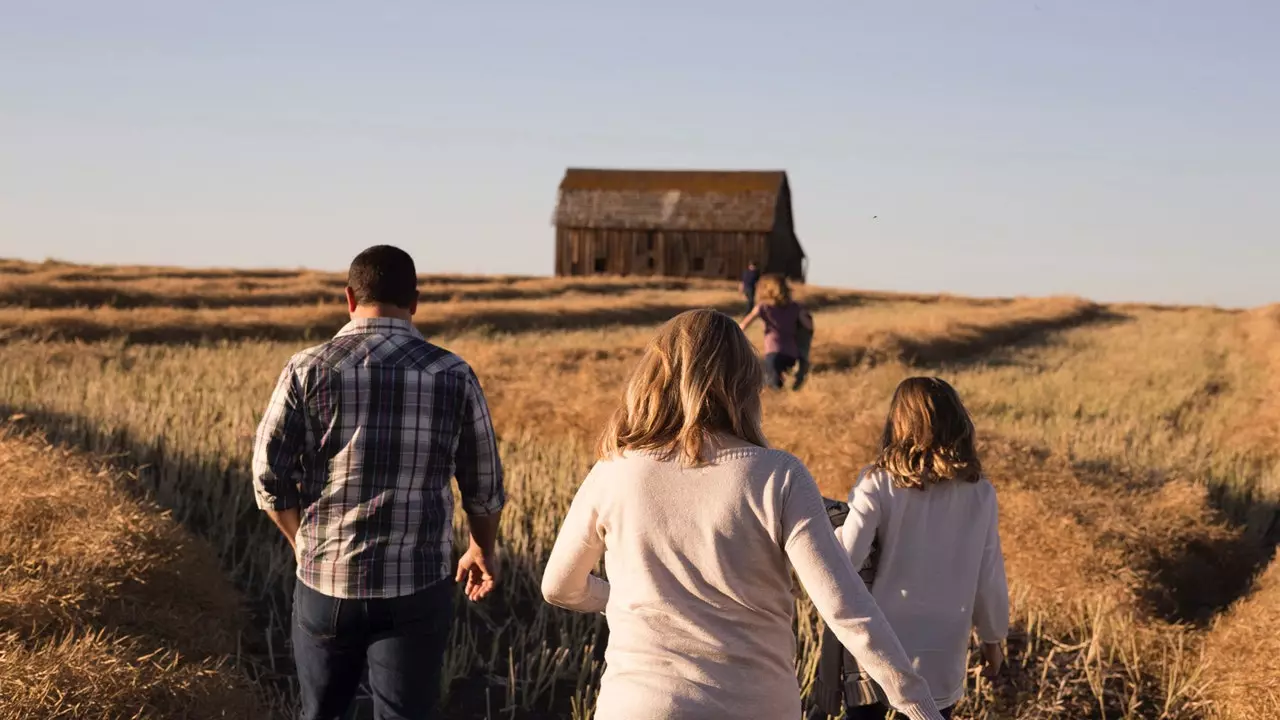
<point>1134,450</point>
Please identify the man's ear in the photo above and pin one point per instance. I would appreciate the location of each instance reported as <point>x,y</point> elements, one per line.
<point>413,306</point>
<point>351,300</point>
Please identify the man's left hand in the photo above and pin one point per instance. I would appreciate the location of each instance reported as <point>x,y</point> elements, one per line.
<point>479,571</point>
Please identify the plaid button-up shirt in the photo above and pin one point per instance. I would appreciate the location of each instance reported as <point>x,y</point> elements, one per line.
<point>363,433</point>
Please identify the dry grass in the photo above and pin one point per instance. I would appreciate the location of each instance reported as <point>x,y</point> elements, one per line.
<point>1262,336</point>
<point>174,305</point>
<point>108,609</point>
<point>1114,435</point>
<point>1244,647</point>
<point>183,325</point>
<point>124,288</point>
<point>1244,654</point>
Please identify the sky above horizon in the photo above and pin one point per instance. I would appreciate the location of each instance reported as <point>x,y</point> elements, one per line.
<point>1118,151</point>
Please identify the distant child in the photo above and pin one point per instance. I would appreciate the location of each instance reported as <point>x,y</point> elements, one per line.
<point>750,278</point>
<point>939,570</point>
<point>783,319</point>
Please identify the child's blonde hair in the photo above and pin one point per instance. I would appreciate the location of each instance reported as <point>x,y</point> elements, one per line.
<point>698,376</point>
<point>928,436</point>
<point>775,290</point>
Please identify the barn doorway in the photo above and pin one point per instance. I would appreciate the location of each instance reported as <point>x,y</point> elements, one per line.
<point>644,260</point>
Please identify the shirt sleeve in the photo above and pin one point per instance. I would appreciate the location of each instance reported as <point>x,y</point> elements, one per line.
<point>863,522</point>
<point>843,601</point>
<point>991,607</point>
<point>477,465</point>
<point>279,444</point>
<point>567,580</point>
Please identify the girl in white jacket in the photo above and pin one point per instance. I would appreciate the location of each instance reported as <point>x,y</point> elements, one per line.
<point>939,570</point>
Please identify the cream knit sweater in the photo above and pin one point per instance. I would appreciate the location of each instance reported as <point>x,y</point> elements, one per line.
<point>699,599</point>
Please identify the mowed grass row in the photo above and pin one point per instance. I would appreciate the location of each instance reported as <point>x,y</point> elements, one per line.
<point>90,287</point>
<point>567,310</point>
<point>108,607</point>
<point>1243,654</point>
<point>56,301</point>
<point>58,270</point>
<point>53,285</point>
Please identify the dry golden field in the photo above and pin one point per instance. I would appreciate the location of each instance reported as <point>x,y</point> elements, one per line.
<point>108,608</point>
<point>1134,449</point>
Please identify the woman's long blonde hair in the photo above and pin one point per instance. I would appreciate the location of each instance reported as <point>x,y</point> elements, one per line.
<point>700,375</point>
<point>928,437</point>
<point>775,290</point>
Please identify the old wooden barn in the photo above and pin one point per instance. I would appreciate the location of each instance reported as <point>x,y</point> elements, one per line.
<point>684,223</point>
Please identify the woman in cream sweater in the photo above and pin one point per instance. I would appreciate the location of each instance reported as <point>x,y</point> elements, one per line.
<point>699,523</point>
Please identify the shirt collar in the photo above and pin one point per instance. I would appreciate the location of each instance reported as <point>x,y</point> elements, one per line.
<point>379,326</point>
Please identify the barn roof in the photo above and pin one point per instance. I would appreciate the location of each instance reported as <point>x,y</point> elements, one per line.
<point>739,201</point>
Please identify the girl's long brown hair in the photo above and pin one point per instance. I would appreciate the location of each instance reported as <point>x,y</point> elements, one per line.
<point>928,436</point>
<point>700,375</point>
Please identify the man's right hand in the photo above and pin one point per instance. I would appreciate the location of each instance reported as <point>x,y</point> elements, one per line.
<point>992,660</point>
<point>479,572</point>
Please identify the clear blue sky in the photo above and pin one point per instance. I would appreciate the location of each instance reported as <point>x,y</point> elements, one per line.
<point>1117,149</point>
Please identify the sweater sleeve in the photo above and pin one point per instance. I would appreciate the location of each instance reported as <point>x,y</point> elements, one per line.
<point>860,527</point>
<point>567,580</point>
<point>843,600</point>
<point>991,606</point>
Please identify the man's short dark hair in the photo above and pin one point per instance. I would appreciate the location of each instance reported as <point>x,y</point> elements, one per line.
<point>384,274</point>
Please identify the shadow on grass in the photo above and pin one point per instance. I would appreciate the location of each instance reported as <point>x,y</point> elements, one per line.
<point>1014,335</point>
<point>973,347</point>
<point>326,321</point>
<point>1197,560</point>
<point>104,294</point>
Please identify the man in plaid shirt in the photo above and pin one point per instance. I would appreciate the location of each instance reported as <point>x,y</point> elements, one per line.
<point>353,461</point>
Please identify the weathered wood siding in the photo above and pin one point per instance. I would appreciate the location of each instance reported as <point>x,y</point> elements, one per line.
<point>680,253</point>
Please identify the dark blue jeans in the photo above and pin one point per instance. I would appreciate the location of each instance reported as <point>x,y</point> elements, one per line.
<point>400,641</point>
<point>879,712</point>
<point>775,365</point>
<point>804,341</point>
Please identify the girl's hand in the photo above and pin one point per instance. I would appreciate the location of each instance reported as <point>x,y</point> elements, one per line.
<point>992,660</point>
